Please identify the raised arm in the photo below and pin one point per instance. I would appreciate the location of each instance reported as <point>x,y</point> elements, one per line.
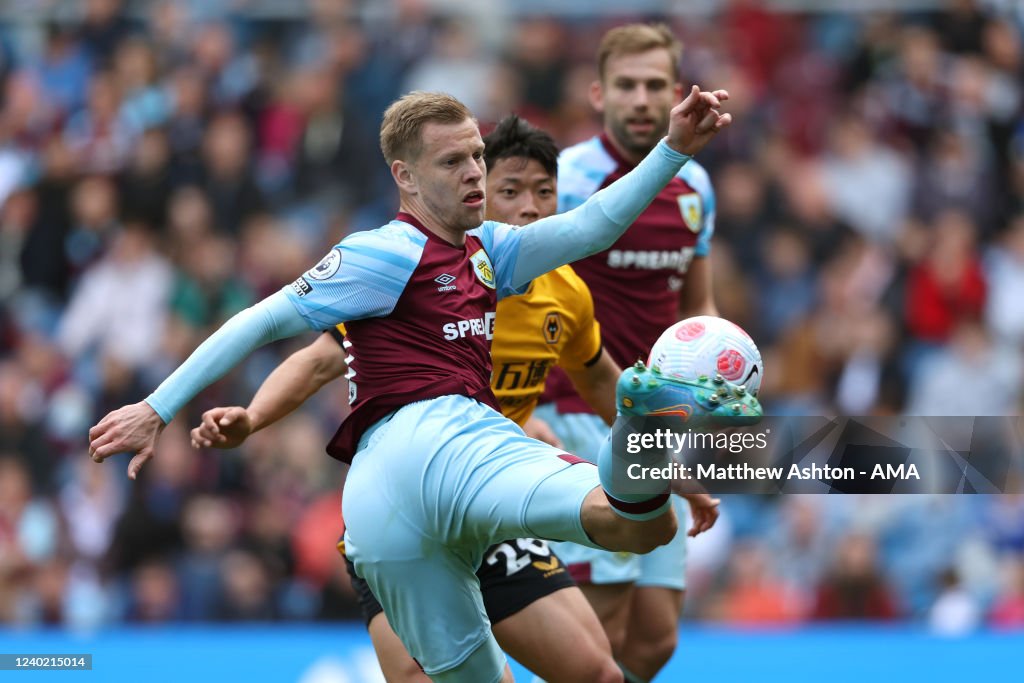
<point>352,282</point>
<point>137,427</point>
<point>598,222</point>
<point>291,383</point>
<point>596,385</point>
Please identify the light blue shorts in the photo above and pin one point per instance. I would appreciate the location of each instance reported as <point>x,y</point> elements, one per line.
<point>428,491</point>
<point>582,434</point>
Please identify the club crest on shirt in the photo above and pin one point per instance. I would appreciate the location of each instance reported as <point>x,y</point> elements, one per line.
<point>327,267</point>
<point>482,268</point>
<point>552,327</point>
<point>689,206</point>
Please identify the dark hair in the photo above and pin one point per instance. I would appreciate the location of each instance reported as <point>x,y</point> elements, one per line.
<point>516,137</point>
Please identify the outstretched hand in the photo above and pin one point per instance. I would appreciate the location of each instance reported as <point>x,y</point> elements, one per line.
<point>537,428</point>
<point>695,120</point>
<point>129,429</point>
<point>704,510</point>
<point>222,428</point>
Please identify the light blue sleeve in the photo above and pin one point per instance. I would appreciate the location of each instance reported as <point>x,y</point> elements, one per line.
<point>698,178</point>
<point>271,319</point>
<point>501,242</point>
<point>362,277</point>
<point>703,247</point>
<point>551,242</point>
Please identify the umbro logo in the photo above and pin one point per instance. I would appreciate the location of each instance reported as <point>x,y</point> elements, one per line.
<point>446,281</point>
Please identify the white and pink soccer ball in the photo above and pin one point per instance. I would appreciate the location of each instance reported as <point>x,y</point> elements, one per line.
<point>708,346</point>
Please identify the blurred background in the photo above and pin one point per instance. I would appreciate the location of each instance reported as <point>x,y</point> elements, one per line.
<point>165,164</point>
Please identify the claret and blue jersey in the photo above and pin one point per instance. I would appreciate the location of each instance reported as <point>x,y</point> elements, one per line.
<point>439,480</point>
<point>420,311</point>
<point>646,267</point>
<point>420,314</point>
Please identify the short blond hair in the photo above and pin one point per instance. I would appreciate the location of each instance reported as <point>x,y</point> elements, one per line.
<point>633,39</point>
<point>402,127</point>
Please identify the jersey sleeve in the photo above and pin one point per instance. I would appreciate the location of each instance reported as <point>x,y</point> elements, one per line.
<point>269,320</point>
<point>501,242</point>
<point>337,333</point>
<point>694,174</point>
<point>594,225</point>
<point>363,276</point>
<point>584,343</point>
<point>582,170</point>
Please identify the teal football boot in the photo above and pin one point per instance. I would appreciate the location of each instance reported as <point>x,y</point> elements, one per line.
<point>646,392</point>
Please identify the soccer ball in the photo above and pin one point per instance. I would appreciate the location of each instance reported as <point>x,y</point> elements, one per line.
<point>708,346</point>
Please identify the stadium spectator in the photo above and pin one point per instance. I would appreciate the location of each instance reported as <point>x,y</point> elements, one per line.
<point>248,593</point>
<point>855,587</point>
<point>948,287</point>
<point>866,181</point>
<point>1004,271</point>
<point>100,136</point>
<point>1008,609</point>
<point>154,595</point>
<point>753,595</point>
<point>227,176</point>
<point>145,184</point>
<point>119,307</point>
<point>972,376</point>
<point>30,579</point>
<point>956,612</point>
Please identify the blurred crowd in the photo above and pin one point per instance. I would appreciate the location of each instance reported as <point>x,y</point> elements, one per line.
<point>163,168</point>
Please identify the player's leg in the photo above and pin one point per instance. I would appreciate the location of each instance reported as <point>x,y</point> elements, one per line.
<point>509,485</point>
<point>560,639</point>
<point>611,603</point>
<point>652,632</point>
<point>539,616</point>
<point>422,511</point>
<point>444,628</point>
<point>606,578</point>
<point>512,486</point>
<point>656,606</point>
<point>391,508</point>
<point>395,663</point>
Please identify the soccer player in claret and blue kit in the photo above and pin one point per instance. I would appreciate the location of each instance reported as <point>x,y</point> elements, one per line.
<point>536,612</point>
<point>655,274</point>
<point>438,474</point>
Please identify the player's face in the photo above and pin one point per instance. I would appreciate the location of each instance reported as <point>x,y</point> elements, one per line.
<point>520,191</point>
<point>635,97</point>
<point>449,173</point>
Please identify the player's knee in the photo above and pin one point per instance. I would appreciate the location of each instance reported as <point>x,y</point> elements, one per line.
<point>611,674</point>
<point>596,669</point>
<point>608,672</point>
<point>661,649</point>
<point>646,657</point>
